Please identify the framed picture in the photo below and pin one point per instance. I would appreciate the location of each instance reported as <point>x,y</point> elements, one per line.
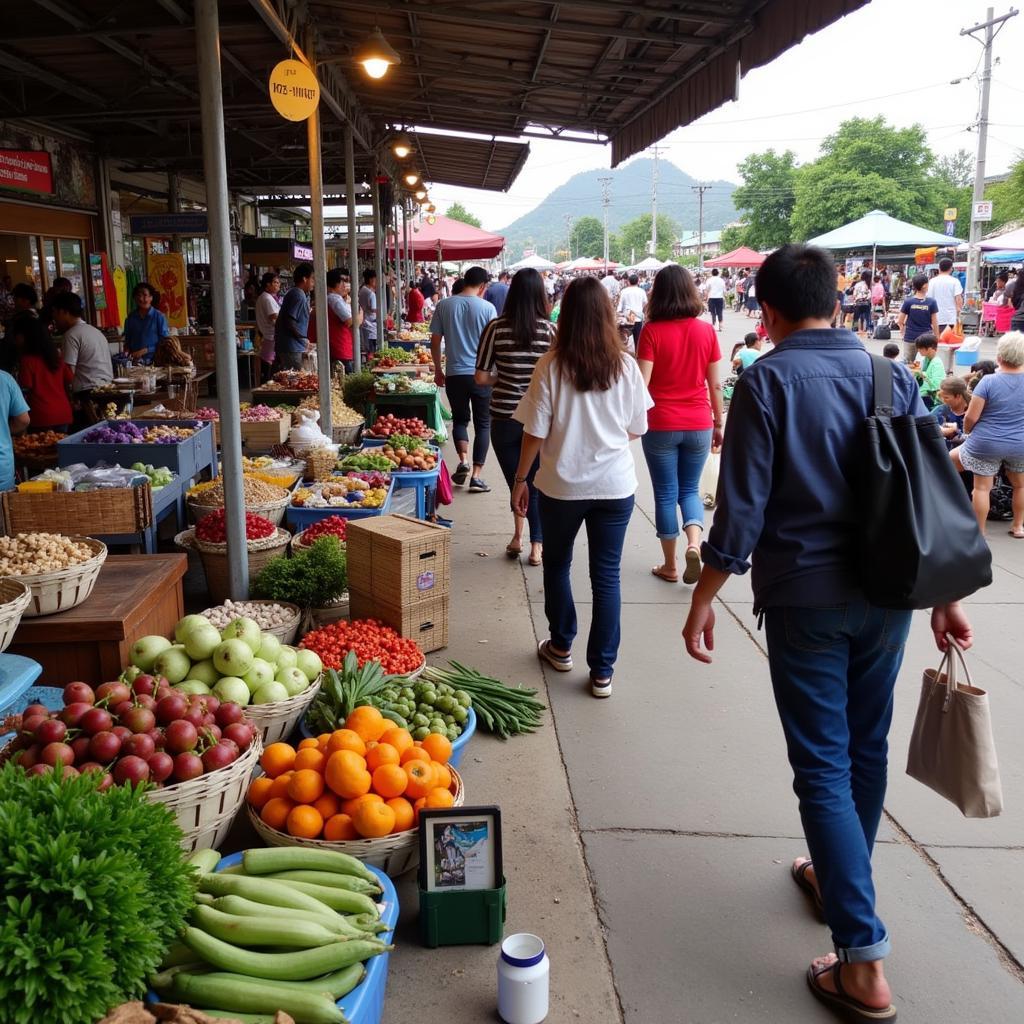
<point>460,849</point>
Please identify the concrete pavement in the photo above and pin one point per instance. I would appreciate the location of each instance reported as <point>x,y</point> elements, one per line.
<point>648,837</point>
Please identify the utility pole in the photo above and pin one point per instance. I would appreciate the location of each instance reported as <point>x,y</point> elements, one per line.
<point>700,190</point>
<point>655,151</point>
<point>606,198</point>
<point>568,234</point>
<point>990,27</point>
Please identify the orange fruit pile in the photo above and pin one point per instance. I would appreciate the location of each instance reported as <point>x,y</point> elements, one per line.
<point>366,780</point>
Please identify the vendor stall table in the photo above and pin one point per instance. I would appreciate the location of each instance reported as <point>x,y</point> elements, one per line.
<point>135,595</point>
<point>427,407</point>
<point>187,458</point>
<point>424,482</point>
<point>415,369</point>
<point>278,396</point>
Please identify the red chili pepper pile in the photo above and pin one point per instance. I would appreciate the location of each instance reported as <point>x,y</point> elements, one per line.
<point>370,640</point>
<point>212,529</point>
<point>332,526</point>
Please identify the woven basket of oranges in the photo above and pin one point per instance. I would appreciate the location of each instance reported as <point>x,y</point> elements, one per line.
<point>358,790</point>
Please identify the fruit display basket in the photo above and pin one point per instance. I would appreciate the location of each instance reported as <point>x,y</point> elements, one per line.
<point>53,592</point>
<point>188,458</point>
<point>215,558</point>
<point>276,721</point>
<point>272,510</point>
<point>206,807</point>
<point>14,599</point>
<point>394,854</point>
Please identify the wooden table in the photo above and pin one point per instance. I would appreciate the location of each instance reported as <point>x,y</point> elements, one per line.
<point>135,596</point>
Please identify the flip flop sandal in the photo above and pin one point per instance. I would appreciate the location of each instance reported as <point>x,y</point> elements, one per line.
<point>852,1009</point>
<point>664,576</point>
<point>1016,536</point>
<point>799,875</point>
<point>534,561</point>
<point>513,552</point>
<point>692,573</point>
<point>559,662</point>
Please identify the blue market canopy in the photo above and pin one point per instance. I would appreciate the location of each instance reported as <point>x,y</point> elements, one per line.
<point>877,230</point>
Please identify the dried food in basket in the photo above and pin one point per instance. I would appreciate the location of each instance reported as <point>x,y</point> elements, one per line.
<point>28,554</point>
<point>37,446</point>
<point>341,492</point>
<point>266,614</point>
<point>213,527</point>
<point>254,492</point>
<point>367,780</point>
<point>239,663</point>
<point>320,463</point>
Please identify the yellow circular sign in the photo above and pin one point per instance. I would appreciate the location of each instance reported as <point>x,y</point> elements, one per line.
<point>294,90</point>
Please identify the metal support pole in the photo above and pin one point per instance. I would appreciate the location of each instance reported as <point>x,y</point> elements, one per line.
<point>174,204</point>
<point>378,248</point>
<point>400,272</point>
<point>215,170</point>
<point>407,229</point>
<point>316,207</point>
<point>353,241</point>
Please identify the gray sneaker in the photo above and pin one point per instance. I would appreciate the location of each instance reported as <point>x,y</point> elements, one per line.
<point>478,485</point>
<point>600,687</point>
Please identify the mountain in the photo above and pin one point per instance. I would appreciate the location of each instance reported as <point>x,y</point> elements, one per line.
<point>544,227</point>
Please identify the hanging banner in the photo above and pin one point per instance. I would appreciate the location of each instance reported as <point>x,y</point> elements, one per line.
<point>166,272</point>
<point>99,293</point>
<point>26,170</point>
<point>294,90</point>
<point>922,257</point>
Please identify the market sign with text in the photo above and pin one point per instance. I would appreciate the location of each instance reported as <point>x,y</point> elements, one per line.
<point>26,170</point>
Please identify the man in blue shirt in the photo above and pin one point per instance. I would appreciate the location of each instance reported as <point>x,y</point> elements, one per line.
<point>14,419</point>
<point>145,326</point>
<point>497,292</point>
<point>793,449</point>
<point>291,330</point>
<point>460,319</point>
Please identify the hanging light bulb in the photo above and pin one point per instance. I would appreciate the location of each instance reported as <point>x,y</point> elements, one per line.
<point>402,146</point>
<point>420,194</point>
<point>431,208</point>
<point>412,178</point>
<point>431,219</point>
<point>376,54</point>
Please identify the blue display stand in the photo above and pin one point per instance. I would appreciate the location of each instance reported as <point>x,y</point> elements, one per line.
<point>17,674</point>
<point>424,481</point>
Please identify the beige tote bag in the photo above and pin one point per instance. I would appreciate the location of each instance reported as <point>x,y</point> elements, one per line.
<point>951,748</point>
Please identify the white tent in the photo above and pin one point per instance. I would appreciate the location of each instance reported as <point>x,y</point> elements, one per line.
<point>1011,240</point>
<point>651,263</point>
<point>533,262</point>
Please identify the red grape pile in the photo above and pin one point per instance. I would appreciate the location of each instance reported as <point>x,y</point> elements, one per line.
<point>213,529</point>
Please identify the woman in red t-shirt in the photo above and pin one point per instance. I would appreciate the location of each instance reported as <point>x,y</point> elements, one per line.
<point>678,356</point>
<point>414,305</point>
<point>44,377</point>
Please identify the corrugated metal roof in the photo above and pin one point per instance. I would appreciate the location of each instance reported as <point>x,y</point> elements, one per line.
<point>596,69</point>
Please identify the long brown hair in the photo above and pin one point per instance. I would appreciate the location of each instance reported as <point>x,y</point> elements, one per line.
<point>674,295</point>
<point>587,346</point>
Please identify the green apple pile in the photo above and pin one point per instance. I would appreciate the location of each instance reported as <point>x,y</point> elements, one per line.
<point>239,664</point>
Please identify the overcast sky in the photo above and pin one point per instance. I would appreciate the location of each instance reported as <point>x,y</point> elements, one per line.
<point>893,57</point>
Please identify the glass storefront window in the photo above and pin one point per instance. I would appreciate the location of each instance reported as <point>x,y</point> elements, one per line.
<point>71,264</point>
<point>37,270</point>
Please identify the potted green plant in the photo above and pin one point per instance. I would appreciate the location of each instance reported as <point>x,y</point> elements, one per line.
<point>316,579</point>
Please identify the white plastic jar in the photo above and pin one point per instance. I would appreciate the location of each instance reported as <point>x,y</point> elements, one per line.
<point>523,968</point>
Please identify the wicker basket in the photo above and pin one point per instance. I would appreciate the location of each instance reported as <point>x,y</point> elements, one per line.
<point>53,592</point>
<point>394,854</point>
<point>206,807</point>
<point>286,633</point>
<point>14,599</point>
<point>320,463</point>
<point>315,618</point>
<point>276,721</point>
<point>347,435</point>
<point>272,510</point>
<point>108,510</point>
<point>297,542</point>
<point>215,558</point>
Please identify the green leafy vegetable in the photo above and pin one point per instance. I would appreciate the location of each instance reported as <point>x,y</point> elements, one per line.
<point>312,578</point>
<point>94,886</point>
<point>358,389</point>
<point>344,691</point>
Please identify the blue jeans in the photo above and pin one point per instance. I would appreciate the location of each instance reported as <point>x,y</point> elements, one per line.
<point>507,440</point>
<point>675,460</point>
<point>833,671</point>
<point>606,522</point>
<point>470,400</point>
<point>716,307</point>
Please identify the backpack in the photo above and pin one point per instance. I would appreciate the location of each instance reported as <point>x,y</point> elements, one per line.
<point>883,331</point>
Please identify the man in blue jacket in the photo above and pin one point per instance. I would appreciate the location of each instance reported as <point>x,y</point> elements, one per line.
<point>787,493</point>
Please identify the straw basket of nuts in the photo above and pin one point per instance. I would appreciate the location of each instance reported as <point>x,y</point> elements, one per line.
<point>59,571</point>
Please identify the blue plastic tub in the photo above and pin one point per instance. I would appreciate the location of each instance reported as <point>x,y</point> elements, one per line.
<point>458,747</point>
<point>18,697</point>
<point>188,458</point>
<point>365,1003</point>
<point>424,481</point>
<point>300,518</point>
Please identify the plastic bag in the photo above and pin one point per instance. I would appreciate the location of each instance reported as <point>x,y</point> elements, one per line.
<point>709,480</point>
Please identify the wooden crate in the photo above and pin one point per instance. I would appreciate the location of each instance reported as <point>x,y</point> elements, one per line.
<point>425,622</point>
<point>399,560</point>
<point>263,436</point>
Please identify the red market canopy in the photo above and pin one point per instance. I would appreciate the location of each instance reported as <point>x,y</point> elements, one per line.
<point>741,257</point>
<point>451,240</point>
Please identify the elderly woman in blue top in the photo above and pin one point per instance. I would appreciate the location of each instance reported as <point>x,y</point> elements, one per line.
<point>145,326</point>
<point>788,494</point>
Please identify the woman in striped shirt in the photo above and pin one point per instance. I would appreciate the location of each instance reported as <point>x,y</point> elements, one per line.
<point>509,349</point>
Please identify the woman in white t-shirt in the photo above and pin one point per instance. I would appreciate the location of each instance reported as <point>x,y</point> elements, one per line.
<point>586,402</point>
<point>268,305</point>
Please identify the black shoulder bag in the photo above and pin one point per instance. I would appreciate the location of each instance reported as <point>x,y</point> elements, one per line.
<point>921,546</point>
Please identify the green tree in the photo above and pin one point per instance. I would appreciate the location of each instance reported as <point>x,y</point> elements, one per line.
<point>587,237</point>
<point>734,236</point>
<point>954,176</point>
<point>634,235</point>
<point>458,212</point>
<point>1007,197</point>
<point>867,165</point>
<point>766,198</point>
<point>956,168</point>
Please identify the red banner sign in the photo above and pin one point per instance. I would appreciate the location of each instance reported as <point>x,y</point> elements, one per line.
<point>26,170</point>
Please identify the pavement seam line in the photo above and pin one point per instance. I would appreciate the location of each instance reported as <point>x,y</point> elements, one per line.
<point>574,816</point>
<point>973,921</point>
<point>687,833</point>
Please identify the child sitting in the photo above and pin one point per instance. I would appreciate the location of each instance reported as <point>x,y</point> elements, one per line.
<point>930,372</point>
<point>891,351</point>
<point>748,354</point>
